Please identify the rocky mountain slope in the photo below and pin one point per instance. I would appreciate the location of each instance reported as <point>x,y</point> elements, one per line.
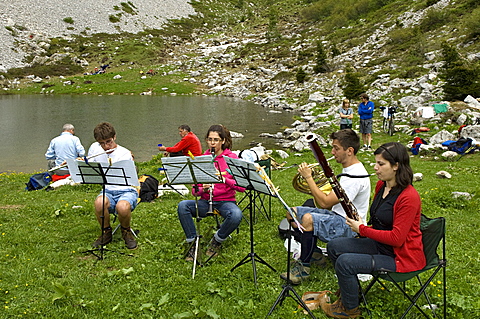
<point>26,21</point>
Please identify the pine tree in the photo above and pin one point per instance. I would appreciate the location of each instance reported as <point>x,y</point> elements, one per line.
<point>321,59</point>
<point>353,87</point>
<point>301,75</point>
<point>460,80</point>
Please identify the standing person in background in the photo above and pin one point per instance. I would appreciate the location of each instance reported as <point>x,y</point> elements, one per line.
<point>122,199</point>
<point>63,147</point>
<point>223,195</point>
<point>392,240</point>
<point>346,115</point>
<point>189,142</point>
<point>365,110</point>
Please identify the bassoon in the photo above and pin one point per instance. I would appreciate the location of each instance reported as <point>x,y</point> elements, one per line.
<point>347,205</point>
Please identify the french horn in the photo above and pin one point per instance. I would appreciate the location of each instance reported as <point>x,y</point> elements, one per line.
<point>301,185</point>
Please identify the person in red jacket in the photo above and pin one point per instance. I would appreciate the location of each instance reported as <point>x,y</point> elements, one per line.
<point>392,239</point>
<point>188,143</point>
<point>222,196</point>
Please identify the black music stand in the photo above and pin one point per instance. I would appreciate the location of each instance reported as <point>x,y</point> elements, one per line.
<point>246,175</point>
<point>122,173</point>
<point>287,286</point>
<point>188,170</point>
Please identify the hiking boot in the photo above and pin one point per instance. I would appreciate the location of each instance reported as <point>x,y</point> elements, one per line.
<point>191,253</point>
<point>127,236</point>
<point>213,248</point>
<point>105,238</point>
<point>298,273</point>
<point>338,310</point>
<point>318,259</point>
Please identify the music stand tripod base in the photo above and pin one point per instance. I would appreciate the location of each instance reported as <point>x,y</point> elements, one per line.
<point>246,175</point>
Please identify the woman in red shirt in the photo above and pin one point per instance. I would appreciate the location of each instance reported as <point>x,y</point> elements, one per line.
<point>392,240</point>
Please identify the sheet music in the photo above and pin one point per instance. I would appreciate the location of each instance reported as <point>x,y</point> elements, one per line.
<point>187,170</point>
<point>246,174</point>
<point>121,173</point>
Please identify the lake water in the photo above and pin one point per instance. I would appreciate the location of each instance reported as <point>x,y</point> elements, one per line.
<point>28,123</point>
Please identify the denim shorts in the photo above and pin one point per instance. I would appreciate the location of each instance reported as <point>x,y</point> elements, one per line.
<point>327,224</point>
<point>129,195</point>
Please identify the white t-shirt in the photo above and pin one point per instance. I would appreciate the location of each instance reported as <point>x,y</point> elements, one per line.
<point>119,154</point>
<point>357,190</point>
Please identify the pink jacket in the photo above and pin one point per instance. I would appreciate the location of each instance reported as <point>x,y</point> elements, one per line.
<point>222,191</point>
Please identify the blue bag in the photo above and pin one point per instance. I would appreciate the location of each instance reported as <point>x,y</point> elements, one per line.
<point>38,181</point>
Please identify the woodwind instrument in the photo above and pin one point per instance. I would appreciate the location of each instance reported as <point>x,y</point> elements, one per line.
<point>89,157</point>
<point>347,205</point>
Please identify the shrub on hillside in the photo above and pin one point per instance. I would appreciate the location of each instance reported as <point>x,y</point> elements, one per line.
<point>472,23</point>
<point>434,19</point>
<point>64,67</point>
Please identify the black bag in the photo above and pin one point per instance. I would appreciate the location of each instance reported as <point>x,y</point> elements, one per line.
<point>148,188</point>
<point>38,181</point>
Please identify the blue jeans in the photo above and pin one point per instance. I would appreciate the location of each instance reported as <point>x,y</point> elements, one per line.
<point>327,225</point>
<point>230,212</point>
<point>352,256</point>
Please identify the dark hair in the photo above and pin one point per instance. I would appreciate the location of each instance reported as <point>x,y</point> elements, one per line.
<point>347,138</point>
<point>396,153</point>
<point>104,131</point>
<point>184,127</point>
<point>365,96</point>
<point>224,134</point>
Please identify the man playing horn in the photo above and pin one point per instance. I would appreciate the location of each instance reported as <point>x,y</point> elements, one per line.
<point>327,220</point>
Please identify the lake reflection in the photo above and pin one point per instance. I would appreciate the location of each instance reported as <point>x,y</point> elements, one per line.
<point>28,123</point>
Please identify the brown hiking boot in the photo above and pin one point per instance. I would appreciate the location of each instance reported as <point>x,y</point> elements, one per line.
<point>338,310</point>
<point>213,248</point>
<point>105,238</point>
<point>127,236</point>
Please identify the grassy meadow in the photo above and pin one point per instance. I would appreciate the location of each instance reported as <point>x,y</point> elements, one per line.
<point>46,274</point>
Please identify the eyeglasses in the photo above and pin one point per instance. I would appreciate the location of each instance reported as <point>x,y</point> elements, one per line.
<point>216,140</point>
<point>106,142</point>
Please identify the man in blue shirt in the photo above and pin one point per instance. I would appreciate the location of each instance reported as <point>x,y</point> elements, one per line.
<point>365,110</point>
<point>63,147</point>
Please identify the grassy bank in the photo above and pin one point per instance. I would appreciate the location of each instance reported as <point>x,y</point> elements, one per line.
<point>46,274</point>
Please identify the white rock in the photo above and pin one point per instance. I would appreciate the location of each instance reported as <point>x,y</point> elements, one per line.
<point>444,174</point>
<point>417,177</point>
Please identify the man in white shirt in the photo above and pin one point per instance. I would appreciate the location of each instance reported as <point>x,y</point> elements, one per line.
<point>327,220</point>
<point>122,199</point>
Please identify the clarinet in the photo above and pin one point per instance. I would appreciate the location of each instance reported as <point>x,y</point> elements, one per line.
<point>347,205</point>
<point>210,199</point>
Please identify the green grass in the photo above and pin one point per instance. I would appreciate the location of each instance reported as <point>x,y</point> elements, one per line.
<point>46,274</point>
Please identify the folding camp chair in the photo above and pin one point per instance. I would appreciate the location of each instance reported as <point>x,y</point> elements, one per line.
<point>433,233</point>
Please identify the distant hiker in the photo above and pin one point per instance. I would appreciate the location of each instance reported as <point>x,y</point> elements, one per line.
<point>365,110</point>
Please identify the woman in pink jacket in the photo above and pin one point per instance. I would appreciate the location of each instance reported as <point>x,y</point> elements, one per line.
<point>219,143</point>
<point>392,240</point>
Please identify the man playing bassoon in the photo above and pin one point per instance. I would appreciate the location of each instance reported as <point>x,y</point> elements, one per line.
<point>327,220</point>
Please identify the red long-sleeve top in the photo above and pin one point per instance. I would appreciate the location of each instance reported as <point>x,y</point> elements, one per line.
<point>189,142</point>
<point>405,236</point>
